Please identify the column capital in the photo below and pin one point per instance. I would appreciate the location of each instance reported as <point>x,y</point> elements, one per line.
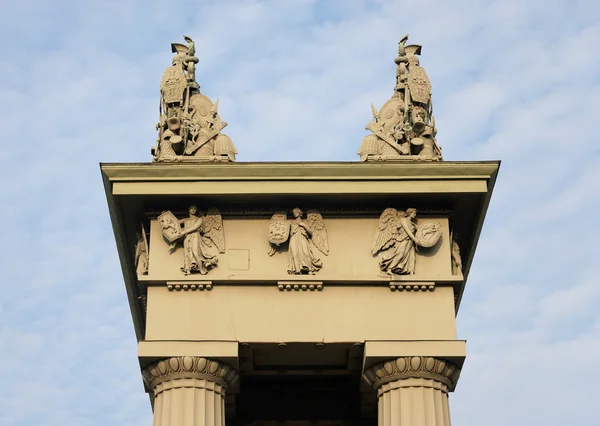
<point>189,367</point>
<point>409,367</point>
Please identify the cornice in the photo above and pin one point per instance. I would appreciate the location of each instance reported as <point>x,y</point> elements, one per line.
<point>189,367</point>
<point>123,172</point>
<point>412,367</point>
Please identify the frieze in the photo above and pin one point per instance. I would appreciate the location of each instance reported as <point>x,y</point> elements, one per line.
<point>298,245</point>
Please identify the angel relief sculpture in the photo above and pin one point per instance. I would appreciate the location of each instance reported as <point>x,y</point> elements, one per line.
<point>397,238</point>
<point>141,253</point>
<point>300,233</point>
<point>456,259</point>
<point>201,235</point>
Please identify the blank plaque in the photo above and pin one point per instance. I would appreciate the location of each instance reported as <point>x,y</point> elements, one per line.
<point>239,259</point>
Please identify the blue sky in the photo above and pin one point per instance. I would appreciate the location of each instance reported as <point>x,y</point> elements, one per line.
<point>513,80</point>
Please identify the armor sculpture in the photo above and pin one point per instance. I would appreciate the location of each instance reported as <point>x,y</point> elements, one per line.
<point>404,127</point>
<point>189,128</point>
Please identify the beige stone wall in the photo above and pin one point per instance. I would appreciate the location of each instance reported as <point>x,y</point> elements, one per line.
<point>265,314</point>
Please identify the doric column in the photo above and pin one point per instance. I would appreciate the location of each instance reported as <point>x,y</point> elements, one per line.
<point>189,390</point>
<point>413,391</point>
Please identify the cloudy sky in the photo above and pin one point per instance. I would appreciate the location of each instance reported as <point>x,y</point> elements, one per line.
<point>513,80</point>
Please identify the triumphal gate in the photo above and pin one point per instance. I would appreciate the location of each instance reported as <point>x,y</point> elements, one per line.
<point>297,293</point>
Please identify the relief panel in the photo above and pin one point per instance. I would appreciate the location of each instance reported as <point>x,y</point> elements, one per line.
<point>250,256</point>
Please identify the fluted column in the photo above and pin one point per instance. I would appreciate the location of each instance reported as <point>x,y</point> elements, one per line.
<point>413,391</point>
<point>189,390</point>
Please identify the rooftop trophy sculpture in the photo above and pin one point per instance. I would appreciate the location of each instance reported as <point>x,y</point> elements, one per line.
<point>190,127</point>
<point>404,127</point>
<point>397,238</point>
<point>202,236</point>
<point>299,233</point>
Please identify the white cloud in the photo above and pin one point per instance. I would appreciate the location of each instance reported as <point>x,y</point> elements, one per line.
<point>512,81</point>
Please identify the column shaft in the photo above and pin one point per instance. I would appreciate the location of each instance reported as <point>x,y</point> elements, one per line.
<point>413,402</point>
<point>413,391</point>
<point>189,391</point>
<point>189,402</point>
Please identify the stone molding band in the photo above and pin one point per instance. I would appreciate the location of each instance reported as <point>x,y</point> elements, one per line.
<point>412,367</point>
<point>189,367</point>
<point>204,384</point>
<point>412,383</point>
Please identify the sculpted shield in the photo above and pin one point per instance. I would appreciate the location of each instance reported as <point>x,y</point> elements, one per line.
<point>173,84</point>
<point>201,107</point>
<point>169,226</point>
<point>428,234</point>
<point>391,114</point>
<point>419,84</point>
<point>279,229</point>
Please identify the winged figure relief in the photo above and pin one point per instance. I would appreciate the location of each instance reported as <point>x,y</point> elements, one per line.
<point>319,233</point>
<point>141,253</point>
<point>456,259</point>
<point>200,234</point>
<point>397,237</point>
<point>300,233</point>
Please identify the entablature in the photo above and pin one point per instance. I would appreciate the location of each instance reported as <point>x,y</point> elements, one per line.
<point>346,201</point>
